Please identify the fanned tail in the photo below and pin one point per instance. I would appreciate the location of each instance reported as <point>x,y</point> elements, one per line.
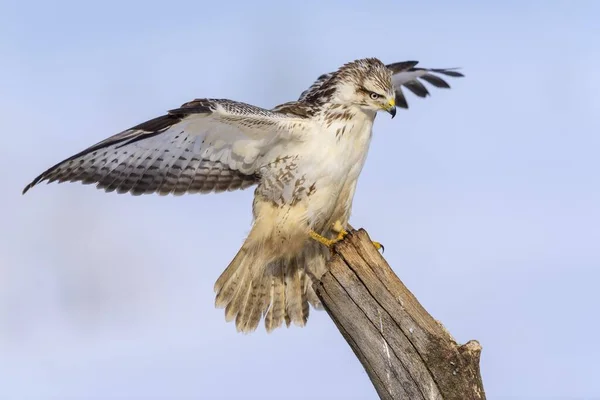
<point>280,290</point>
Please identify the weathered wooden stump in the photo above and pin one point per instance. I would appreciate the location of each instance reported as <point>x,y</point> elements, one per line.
<point>405,351</point>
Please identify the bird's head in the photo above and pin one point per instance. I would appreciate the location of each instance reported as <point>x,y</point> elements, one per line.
<point>366,83</point>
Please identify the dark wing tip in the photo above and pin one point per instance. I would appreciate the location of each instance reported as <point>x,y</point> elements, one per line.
<point>401,66</point>
<point>401,99</point>
<point>198,106</point>
<point>436,81</point>
<point>417,88</point>
<point>426,74</point>
<point>28,187</point>
<point>40,178</point>
<point>448,72</point>
<point>139,132</point>
<point>157,124</point>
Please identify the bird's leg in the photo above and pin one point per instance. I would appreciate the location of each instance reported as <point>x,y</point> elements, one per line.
<point>337,227</point>
<point>322,239</point>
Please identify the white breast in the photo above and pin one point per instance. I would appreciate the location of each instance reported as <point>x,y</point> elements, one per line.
<point>319,173</point>
<point>336,161</point>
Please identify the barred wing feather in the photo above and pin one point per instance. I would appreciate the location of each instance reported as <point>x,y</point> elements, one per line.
<point>205,145</point>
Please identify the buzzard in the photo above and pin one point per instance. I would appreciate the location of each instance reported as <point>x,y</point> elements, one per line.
<point>304,157</point>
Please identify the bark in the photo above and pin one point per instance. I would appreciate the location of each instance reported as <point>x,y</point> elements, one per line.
<point>405,351</point>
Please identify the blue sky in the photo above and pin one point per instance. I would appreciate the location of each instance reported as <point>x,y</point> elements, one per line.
<point>485,196</point>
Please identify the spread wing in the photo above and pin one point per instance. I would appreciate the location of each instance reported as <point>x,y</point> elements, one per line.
<point>205,145</point>
<point>403,74</point>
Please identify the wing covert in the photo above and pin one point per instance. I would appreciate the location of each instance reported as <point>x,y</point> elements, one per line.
<point>315,86</point>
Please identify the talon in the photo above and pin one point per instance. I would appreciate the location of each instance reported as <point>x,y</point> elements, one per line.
<point>379,246</point>
<point>341,235</point>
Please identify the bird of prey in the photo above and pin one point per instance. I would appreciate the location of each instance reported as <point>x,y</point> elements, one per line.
<point>304,157</point>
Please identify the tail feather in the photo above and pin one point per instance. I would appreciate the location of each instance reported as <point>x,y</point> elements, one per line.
<point>275,313</point>
<point>295,297</point>
<point>262,302</point>
<point>239,294</point>
<point>228,282</point>
<point>236,287</point>
<point>311,296</point>
<point>304,303</point>
<point>250,313</point>
<point>315,268</point>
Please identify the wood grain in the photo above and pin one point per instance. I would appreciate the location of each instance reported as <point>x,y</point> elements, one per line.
<point>405,351</point>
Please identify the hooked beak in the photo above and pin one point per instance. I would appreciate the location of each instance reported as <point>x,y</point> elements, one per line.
<point>391,107</point>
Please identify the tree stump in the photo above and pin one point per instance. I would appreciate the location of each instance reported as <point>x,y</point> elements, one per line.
<point>405,351</point>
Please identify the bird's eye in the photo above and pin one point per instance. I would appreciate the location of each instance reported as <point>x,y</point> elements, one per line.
<point>375,96</point>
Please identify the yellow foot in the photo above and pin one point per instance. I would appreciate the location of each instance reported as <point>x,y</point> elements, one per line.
<point>330,242</point>
<point>379,246</point>
<point>339,228</point>
<point>323,239</point>
<point>341,235</point>
<point>336,227</point>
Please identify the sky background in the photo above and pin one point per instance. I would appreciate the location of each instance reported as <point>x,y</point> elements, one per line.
<point>486,196</point>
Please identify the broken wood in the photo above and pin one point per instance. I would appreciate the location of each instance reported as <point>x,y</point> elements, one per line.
<point>405,351</point>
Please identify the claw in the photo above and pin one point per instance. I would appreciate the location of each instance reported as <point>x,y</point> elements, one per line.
<point>379,246</point>
<point>341,235</point>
